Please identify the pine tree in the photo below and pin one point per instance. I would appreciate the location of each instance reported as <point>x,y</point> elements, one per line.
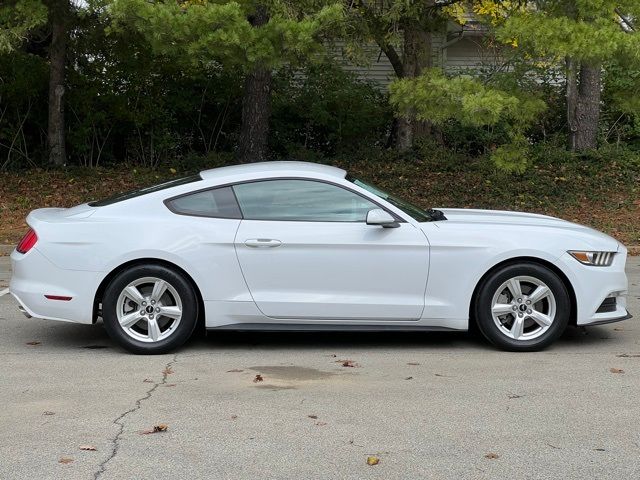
<point>582,34</point>
<point>254,37</point>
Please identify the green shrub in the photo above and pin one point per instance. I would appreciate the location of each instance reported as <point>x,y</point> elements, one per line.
<point>326,109</point>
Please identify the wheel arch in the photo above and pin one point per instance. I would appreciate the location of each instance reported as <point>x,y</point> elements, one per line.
<point>147,261</point>
<point>545,263</point>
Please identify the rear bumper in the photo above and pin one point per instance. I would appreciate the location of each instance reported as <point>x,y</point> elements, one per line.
<point>34,276</point>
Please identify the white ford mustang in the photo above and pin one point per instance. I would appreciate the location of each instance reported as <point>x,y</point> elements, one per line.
<point>300,246</point>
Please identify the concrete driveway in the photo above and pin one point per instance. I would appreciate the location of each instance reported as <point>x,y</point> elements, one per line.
<point>427,405</point>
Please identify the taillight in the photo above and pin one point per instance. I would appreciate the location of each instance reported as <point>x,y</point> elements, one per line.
<point>27,242</point>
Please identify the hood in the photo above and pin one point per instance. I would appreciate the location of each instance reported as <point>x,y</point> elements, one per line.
<point>503,216</point>
<point>528,223</point>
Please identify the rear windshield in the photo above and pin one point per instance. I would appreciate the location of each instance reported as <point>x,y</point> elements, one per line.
<point>143,191</point>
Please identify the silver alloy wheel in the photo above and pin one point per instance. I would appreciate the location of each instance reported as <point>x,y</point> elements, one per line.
<point>523,308</point>
<point>149,309</point>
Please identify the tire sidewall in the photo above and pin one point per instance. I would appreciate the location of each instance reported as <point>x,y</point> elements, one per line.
<point>189,309</point>
<point>484,317</point>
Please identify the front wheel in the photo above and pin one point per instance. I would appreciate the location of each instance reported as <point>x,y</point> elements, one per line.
<point>522,307</point>
<point>149,309</point>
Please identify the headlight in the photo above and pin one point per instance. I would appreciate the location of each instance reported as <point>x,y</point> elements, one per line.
<point>596,259</point>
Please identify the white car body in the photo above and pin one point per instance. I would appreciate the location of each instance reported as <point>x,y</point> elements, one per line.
<point>321,275</point>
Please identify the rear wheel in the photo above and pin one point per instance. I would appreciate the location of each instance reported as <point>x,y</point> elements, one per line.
<point>522,307</point>
<point>149,309</point>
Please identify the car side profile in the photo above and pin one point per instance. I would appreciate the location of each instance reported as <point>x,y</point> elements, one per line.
<point>302,246</point>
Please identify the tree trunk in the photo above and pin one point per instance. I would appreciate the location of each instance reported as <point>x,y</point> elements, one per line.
<point>572,101</point>
<point>256,106</point>
<point>416,57</point>
<point>58,13</point>
<point>588,107</point>
<point>584,89</point>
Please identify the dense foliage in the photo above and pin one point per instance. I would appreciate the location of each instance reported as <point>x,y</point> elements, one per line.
<point>152,82</point>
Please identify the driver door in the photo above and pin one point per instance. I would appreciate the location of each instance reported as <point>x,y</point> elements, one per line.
<point>306,252</point>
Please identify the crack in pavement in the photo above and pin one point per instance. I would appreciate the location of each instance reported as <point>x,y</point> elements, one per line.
<point>115,442</point>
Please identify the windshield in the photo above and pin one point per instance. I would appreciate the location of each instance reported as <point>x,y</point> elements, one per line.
<point>416,212</point>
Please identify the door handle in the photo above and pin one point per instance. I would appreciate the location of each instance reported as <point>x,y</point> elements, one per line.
<point>262,243</point>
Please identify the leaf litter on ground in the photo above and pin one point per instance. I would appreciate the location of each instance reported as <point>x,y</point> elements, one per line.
<point>160,427</point>
<point>347,363</point>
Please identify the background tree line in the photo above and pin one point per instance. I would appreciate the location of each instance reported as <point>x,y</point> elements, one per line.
<point>106,81</point>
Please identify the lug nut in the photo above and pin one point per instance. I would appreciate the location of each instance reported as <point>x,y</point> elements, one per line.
<point>151,315</point>
<point>529,311</point>
<point>141,312</point>
<point>520,315</point>
<point>519,300</point>
<point>153,302</point>
<point>514,308</point>
<point>144,304</point>
<point>158,309</point>
<point>528,302</point>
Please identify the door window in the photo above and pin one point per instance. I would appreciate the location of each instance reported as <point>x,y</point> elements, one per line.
<point>301,200</point>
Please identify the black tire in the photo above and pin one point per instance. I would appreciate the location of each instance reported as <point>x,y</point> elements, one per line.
<point>183,330</point>
<point>490,329</point>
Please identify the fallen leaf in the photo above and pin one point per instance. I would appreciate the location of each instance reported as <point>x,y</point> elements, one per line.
<point>170,385</point>
<point>321,424</point>
<point>161,427</point>
<point>235,370</point>
<point>618,329</point>
<point>347,363</point>
<point>34,343</point>
<point>372,460</point>
<point>599,449</point>
<point>167,371</point>
<point>616,370</point>
<point>146,380</point>
<point>513,395</point>
<point>492,456</point>
<point>315,417</point>
<point>413,363</point>
<point>65,460</point>
<point>233,417</point>
<point>47,412</point>
<point>409,378</point>
<point>89,448</point>
<point>258,379</point>
<point>629,355</point>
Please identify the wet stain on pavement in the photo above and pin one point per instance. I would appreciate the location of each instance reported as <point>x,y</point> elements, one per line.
<point>291,372</point>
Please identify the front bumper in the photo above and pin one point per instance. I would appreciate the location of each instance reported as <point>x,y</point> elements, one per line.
<point>592,285</point>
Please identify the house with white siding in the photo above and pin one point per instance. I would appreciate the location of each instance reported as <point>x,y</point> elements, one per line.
<point>458,48</point>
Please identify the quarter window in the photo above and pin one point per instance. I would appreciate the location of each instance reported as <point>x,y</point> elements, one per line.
<point>301,200</point>
<point>218,202</point>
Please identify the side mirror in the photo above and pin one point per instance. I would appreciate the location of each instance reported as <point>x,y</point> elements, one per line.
<point>377,216</point>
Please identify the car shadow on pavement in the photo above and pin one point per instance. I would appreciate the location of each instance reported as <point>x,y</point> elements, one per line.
<point>64,336</point>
